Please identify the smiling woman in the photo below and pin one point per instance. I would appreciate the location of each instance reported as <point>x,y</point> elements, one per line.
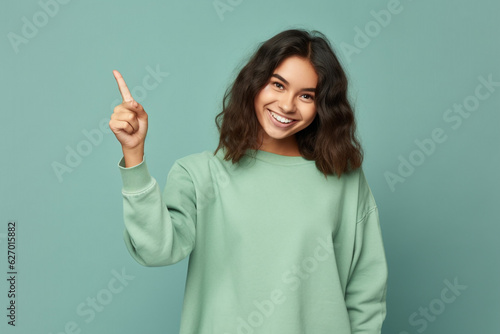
<point>309,79</point>
<point>285,106</point>
<point>279,223</point>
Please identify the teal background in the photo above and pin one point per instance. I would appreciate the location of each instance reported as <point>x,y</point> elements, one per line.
<point>440,224</point>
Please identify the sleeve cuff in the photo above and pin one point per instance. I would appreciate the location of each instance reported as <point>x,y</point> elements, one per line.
<point>135,178</point>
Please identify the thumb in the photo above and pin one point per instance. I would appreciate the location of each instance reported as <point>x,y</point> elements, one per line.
<point>137,107</point>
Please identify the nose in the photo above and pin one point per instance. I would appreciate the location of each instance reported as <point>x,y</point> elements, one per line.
<point>286,102</point>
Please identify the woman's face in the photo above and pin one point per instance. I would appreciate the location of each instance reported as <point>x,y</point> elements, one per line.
<point>286,105</point>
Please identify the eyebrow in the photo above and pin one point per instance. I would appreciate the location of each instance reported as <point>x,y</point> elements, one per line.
<point>286,82</point>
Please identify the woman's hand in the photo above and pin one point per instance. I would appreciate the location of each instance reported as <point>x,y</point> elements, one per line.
<point>129,123</point>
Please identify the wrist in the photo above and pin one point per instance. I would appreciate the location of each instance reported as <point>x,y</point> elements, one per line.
<point>133,156</point>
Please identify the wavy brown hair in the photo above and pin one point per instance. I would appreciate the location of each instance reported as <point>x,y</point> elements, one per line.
<point>330,140</point>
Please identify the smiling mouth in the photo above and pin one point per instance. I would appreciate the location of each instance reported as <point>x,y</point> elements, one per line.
<point>281,119</point>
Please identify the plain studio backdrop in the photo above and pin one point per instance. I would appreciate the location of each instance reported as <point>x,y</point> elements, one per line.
<point>425,86</point>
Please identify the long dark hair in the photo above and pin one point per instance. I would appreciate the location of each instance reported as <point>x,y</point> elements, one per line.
<point>330,140</point>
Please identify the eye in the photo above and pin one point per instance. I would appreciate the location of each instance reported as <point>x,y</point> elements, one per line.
<point>308,97</point>
<point>278,85</point>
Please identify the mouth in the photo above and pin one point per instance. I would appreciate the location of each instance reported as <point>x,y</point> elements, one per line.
<point>280,121</point>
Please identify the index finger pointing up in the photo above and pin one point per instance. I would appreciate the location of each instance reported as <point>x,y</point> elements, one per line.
<point>122,86</point>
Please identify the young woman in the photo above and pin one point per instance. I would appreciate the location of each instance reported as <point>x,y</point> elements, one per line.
<point>279,223</point>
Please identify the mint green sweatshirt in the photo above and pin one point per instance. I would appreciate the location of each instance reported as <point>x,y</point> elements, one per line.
<point>274,246</point>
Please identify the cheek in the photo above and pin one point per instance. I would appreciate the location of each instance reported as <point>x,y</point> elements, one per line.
<point>265,94</point>
<point>312,113</point>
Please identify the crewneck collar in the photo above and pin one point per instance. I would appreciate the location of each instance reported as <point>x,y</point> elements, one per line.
<point>277,159</point>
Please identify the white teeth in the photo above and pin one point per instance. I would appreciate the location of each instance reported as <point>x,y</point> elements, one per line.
<point>281,119</point>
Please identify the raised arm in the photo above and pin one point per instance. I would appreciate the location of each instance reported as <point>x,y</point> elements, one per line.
<point>159,230</point>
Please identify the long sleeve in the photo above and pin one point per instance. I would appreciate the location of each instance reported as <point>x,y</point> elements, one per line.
<point>367,284</point>
<point>159,229</point>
